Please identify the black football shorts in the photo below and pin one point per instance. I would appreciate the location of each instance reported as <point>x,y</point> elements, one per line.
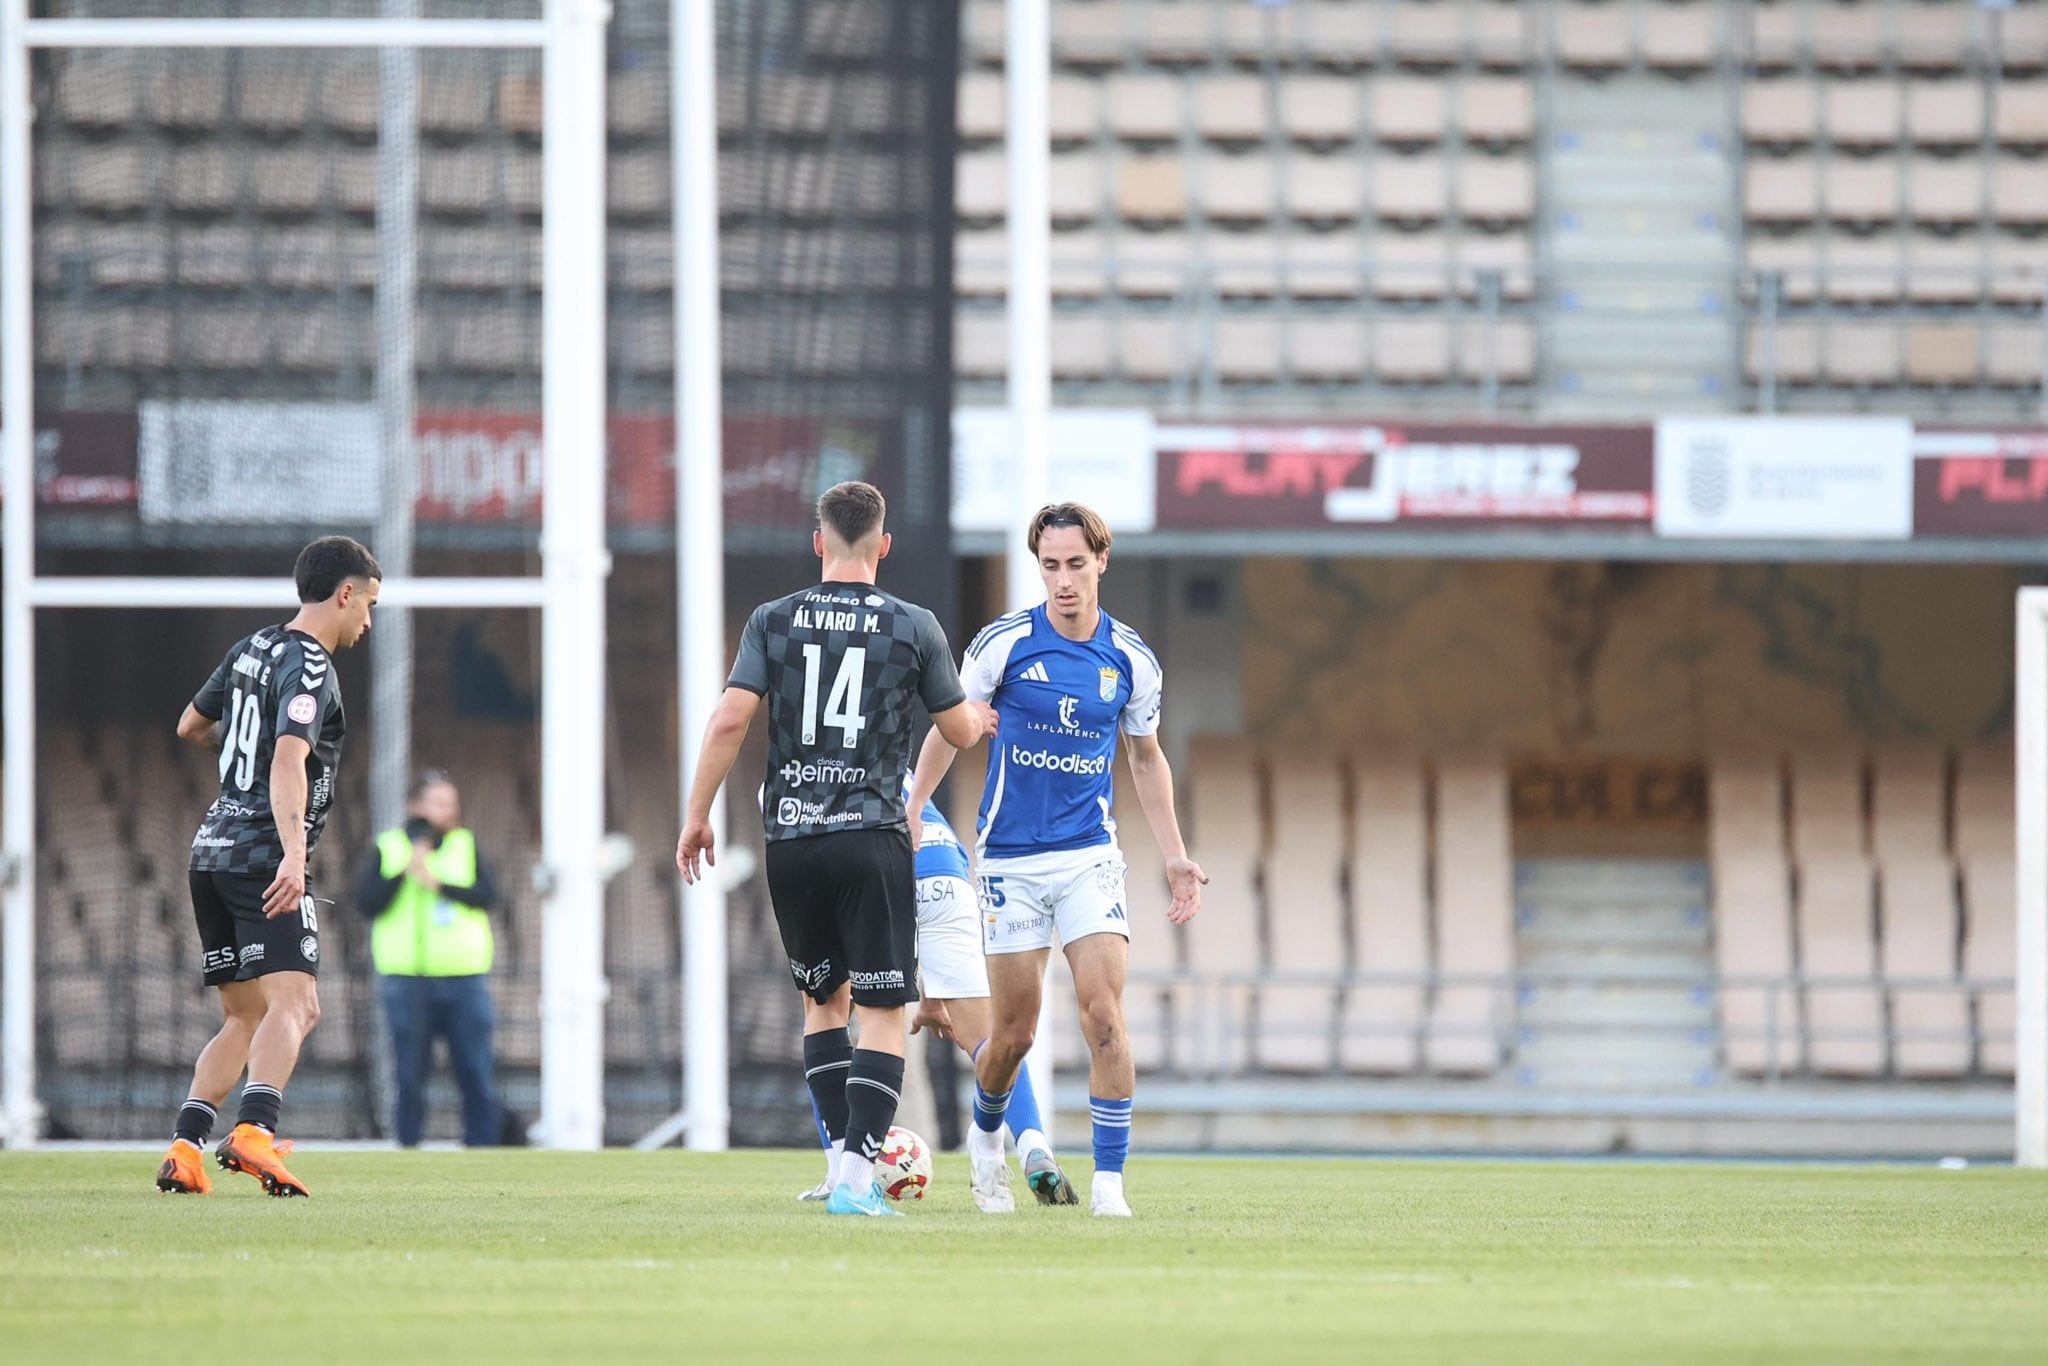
<point>237,943</point>
<point>846,904</point>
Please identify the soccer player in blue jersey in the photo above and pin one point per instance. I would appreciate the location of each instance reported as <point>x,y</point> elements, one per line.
<point>953,985</point>
<point>1066,679</point>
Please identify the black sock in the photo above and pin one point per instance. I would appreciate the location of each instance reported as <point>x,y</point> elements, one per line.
<point>260,1105</point>
<point>872,1090</point>
<point>195,1121</point>
<point>827,1055</point>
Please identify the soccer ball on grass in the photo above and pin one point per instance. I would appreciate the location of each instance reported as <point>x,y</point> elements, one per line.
<point>903,1169</point>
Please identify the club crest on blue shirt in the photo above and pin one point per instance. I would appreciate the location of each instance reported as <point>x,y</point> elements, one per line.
<point>1109,678</point>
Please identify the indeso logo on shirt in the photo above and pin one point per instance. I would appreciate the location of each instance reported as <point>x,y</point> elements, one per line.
<point>303,708</point>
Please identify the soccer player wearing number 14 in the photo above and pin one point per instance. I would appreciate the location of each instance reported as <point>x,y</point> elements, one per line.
<point>1065,678</point>
<point>273,710</point>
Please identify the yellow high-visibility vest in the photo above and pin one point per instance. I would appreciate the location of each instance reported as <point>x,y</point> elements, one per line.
<point>422,933</point>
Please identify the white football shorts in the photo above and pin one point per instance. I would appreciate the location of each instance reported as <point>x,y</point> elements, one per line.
<point>1073,893</point>
<point>949,962</point>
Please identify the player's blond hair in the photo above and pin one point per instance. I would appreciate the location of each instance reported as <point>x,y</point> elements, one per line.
<point>1093,529</point>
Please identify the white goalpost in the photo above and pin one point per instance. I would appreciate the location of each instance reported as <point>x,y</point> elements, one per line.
<point>2030,965</point>
<point>570,590</point>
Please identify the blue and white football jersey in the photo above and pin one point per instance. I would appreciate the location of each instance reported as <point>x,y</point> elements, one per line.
<point>1051,769</point>
<point>939,853</point>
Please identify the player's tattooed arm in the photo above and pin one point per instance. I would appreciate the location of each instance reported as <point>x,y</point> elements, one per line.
<point>1153,777</point>
<point>288,810</point>
<point>197,728</point>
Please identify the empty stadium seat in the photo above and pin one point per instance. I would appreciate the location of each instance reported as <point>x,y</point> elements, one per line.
<point>1246,349</point>
<point>2020,113</point>
<point>1177,32</point>
<point>1781,113</point>
<point>1383,1018</point>
<point>1151,350</point>
<point>1866,270</point>
<point>1152,190</point>
<point>1860,191</point>
<point>1297,1021</point>
<point>1244,264</point>
<point>1468,1020</point>
<point>1919,934</point>
<point>981,111</point>
<point>1941,354</point>
<point>1231,109</point>
<point>1339,34</point>
<point>1933,37</point>
<point>1837,956</point>
<point>1412,350</point>
<point>1862,113</point>
<point>1409,112</point>
<point>1592,36</point>
<point>1505,351</point>
<point>1146,106</point>
<point>1861,354</point>
<point>1496,109</point>
<point>1849,37</point>
<point>1946,114</point>
<point>1781,191</point>
<point>2019,194</point>
<point>1411,266</point>
<point>1496,189</point>
<point>1680,37</point>
<point>1794,260</point>
<point>1323,110</point>
<point>1500,33</point>
<point>1945,192</point>
<point>1323,265</point>
<point>98,89</point>
<point>1329,190</point>
<point>1425,34</point>
<point>1410,189</point>
<point>1152,265</point>
<point>1752,888</point>
<point>1791,352</point>
<point>1990,955</point>
<point>190,94</point>
<point>1238,189</point>
<point>1080,347</point>
<point>1079,265</point>
<point>2013,355</point>
<point>1326,350</point>
<point>1228,841</point>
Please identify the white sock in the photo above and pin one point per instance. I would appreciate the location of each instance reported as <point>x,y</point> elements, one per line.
<point>856,1171</point>
<point>982,1143</point>
<point>1033,1138</point>
<point>1108,1181</point>
<point>832,1159</point>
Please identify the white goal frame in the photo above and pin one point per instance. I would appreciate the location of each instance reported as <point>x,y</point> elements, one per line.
<point>2030,965</point>
<point>570,590</point>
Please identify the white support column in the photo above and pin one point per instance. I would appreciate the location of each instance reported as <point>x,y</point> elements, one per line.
<point>20,1114</point>
<point>2030,966</point>
<point>1027,68</point>
<point>398,193</point>
<point>575,563</point>
<point>700,548</point>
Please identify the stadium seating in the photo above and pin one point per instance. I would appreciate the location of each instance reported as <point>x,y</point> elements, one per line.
<point>1226,822</point>
<point>1304,891</point>
<point>1752,888</point>
<point>1383,1019</point>
<point>1469,1021</point>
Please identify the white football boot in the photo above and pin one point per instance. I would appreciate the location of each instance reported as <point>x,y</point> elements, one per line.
<point>990,1177</point>
<point>821,1191</point>
<point>1106,1196</point>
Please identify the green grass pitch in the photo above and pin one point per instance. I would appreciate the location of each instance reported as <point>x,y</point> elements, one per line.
<point>562,1258</point>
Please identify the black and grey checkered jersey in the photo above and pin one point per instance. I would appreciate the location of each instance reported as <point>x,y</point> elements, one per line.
<point>842,666</point>
<point>276,682</point>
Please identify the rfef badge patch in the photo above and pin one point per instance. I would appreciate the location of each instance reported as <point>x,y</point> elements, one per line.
<point>303,709</point>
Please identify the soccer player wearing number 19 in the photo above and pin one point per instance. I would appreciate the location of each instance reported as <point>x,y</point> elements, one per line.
<point>1066,679</point>
<point>273,711</point>
<point>843,666</point>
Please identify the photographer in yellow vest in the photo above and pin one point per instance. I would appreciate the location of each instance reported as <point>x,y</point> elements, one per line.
<point>428,893</point>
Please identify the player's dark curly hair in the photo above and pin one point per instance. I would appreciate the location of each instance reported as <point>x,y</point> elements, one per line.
<point>329,562</point>
<point>852,511</point>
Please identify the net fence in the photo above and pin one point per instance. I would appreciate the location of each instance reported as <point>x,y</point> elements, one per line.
<point>221,260</point>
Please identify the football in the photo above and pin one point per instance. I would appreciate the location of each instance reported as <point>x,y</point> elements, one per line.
<point>903,1169</point>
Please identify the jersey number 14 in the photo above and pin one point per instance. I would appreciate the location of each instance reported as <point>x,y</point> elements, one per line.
<point>842,704</point>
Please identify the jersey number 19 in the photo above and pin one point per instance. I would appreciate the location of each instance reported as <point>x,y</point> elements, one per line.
<point>238,738</point>
<point>842,704</point>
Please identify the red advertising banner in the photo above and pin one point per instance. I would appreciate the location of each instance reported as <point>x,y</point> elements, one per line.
<point>1452,476</point>
<point>1980,483</point>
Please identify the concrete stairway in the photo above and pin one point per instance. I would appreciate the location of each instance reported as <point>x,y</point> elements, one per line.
<point>1642,928</point>
<point>1640,227</point>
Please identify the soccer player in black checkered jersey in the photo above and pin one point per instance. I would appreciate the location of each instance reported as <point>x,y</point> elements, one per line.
<point>845,667</point>
<point>272,710</point>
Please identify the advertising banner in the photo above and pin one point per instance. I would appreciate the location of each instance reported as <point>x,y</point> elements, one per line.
<point>1793,478</point>
<point>1098,456</point>
<point>1443,475</point>
<point>1980,483</point>
<point>251,463</point>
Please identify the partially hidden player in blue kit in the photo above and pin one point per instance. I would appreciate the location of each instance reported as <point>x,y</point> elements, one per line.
<point>953,977</point>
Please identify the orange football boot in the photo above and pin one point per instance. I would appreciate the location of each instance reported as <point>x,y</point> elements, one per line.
<point>252,1149</point>
<point>184,1170</point>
